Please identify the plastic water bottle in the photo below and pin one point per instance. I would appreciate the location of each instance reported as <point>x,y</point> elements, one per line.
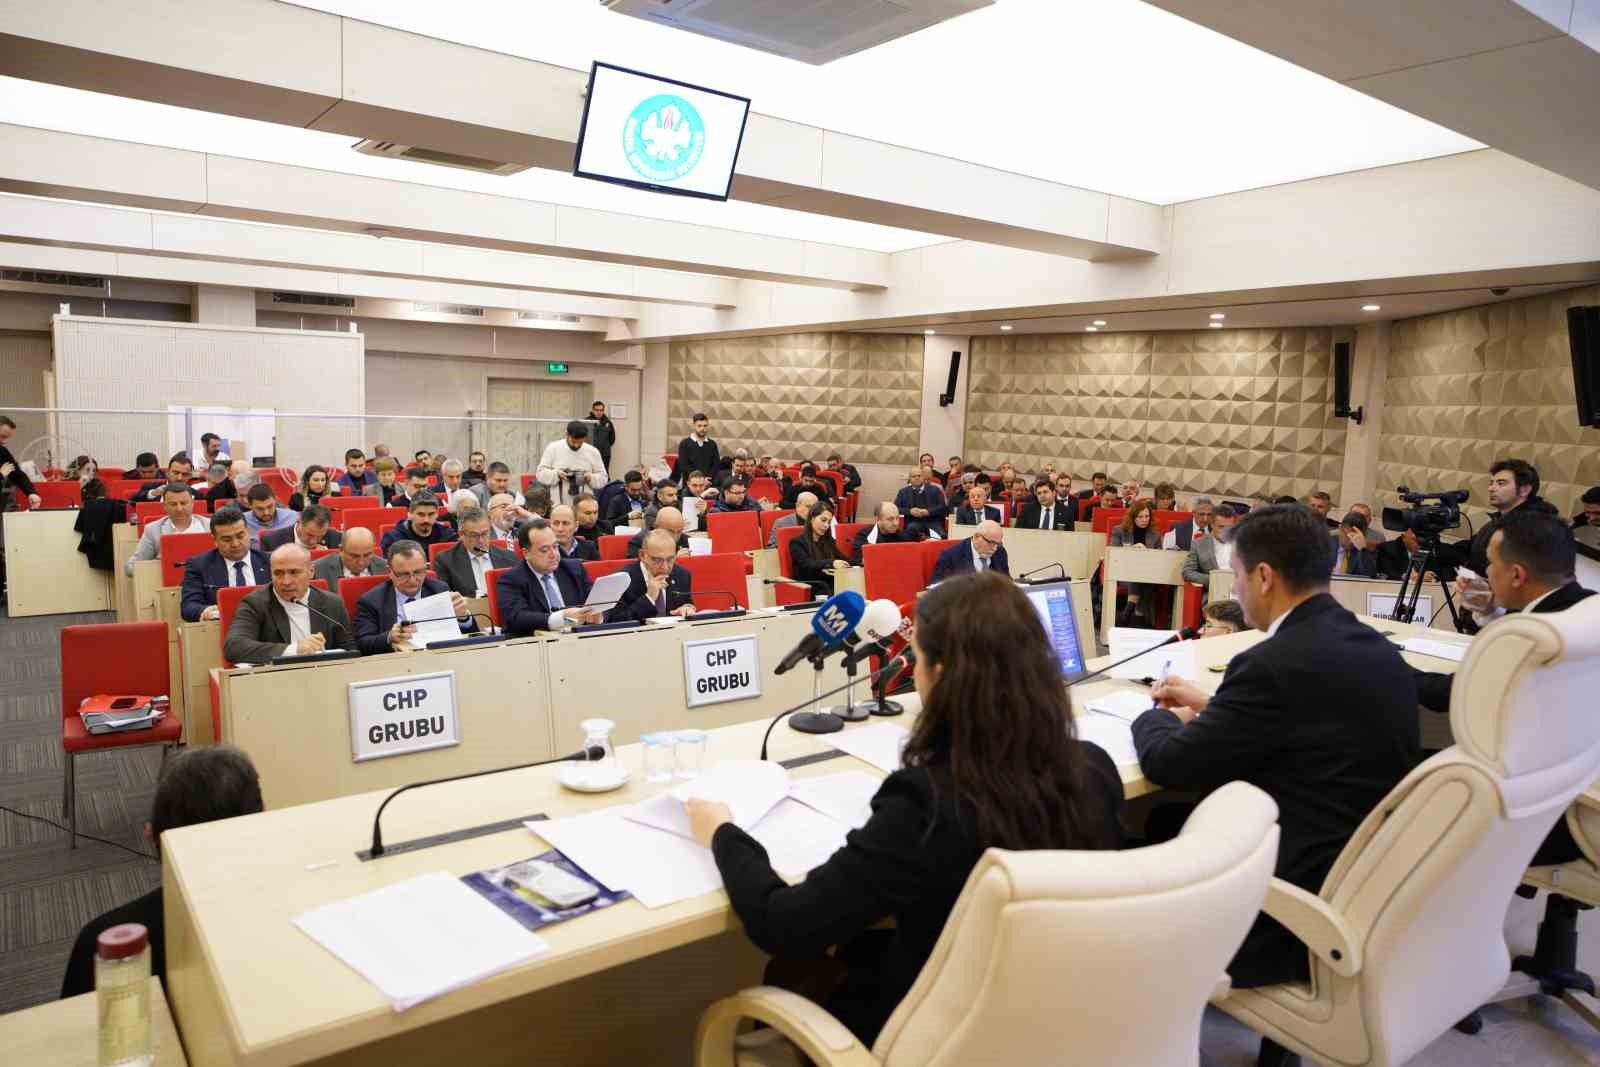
<point>122,988</point>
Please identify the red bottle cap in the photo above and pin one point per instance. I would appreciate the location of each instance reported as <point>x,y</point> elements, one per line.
<point>120,942</point>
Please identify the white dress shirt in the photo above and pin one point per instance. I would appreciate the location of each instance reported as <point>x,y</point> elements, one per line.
<point>299,623</point>
<point>481,566</point>
<point>150,541</point>
<point>240,576</point>
<point>1224,554</point>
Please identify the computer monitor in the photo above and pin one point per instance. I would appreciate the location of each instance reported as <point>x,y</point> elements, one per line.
<point>1053,602</point>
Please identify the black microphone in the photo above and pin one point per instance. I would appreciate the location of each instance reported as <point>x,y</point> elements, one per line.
<point>1029,574</point>
<point>593,752</point>
<point>809,645</point>
<point>305,602</point>
<point>808,702</point>
<point>863,651</point>
<point>784,581</point>
<point>733,600</point>
<point>1142,652</point>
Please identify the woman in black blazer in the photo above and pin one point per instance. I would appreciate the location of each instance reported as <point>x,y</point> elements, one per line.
<point>1138,530</point>
<point>991,763</point>
<point>814,555</point>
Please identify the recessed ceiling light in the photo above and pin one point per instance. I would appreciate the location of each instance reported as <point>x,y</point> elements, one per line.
<point>1370,307</point>
<point>1099,322</point>
<point>928,332</point>
<point>1218,315</point>
<point>1005,327</point>
<point>1216,325</point>
<point>1091,329</point>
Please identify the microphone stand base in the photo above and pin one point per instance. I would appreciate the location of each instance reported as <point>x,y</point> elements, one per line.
<point>848,712</point>
<point>814,722</point>
<point>883,708</point>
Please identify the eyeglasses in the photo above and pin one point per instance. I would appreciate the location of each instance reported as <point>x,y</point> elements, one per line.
<point>661,561</point>
<point>986,540</point>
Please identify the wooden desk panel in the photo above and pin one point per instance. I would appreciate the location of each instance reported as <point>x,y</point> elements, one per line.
<point>1355,594</point>
<point>124,539</point>
<point>66,1033</point>
<point>199,650</point>
<point>1152,566</point>
<point>146,583</point>
<point>1078,550</point>
<point>45,572</point>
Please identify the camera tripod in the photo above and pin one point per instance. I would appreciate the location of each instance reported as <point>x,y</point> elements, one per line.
<point>1418,564</point>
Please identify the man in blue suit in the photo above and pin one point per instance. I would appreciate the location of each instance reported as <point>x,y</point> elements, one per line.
<point>546,594</point>
<point>982,551</point>
<point>977,508</point>
<point>657,585</point>
<point>233,562</point>
<point>923,506</point>
<point>379,628</point>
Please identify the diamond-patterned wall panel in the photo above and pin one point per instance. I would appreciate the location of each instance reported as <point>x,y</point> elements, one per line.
<point>802,395</point>
<point>1468,387</point>
<point>1214,411</point>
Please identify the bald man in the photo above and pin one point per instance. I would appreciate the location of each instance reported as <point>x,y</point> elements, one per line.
<point>982,551</point>
<point>657,585</point>
<point>357,556</point>
<point>885,530</point>
<point>669,521</point>
<point>289,617</point>
<point>802,511</point>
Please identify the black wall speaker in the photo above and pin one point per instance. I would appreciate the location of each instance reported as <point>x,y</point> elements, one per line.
<point>948,397</point>
<point>1583,331</point>
<point>1343,362</point>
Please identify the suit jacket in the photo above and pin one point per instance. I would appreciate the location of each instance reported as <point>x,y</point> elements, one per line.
<point>1201,562</point>
<point>822,490</point>
<point>1061,520</point>
<point>523,607</point>
<point>637,540</point>
<point>957,559</point>
<point>94,522</point>
<point>620,508</point>
<point>923,496</point>
<point>581,550</point>
<point>377,611</point>
<point>1363,563</point>
<point>815,569</point>
<point>276,539</point>
<point>899,537</point>
<point>204,574</point>
<point>455,569</point>
<point>635,606</point>
<point>782,523</point>
<point>965,516</point>
<point>331,569</point>
<point>260,628</point>
<point>852,477</point>
<point>1433,690</point>
<point>1183,534</point>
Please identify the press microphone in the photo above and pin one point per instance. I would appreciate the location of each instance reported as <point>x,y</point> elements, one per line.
<point>593,752</point>
<point>1142,652</point>
<point>733,600</point>
<point>836,619</point>
<point>878,625</point>
<point>1061,569</point>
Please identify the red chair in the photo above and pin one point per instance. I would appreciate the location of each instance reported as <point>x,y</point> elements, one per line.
<point>150,510</point>
<point>671,459</point>
<point>122,490</point>
<point>110,474</point>
<point>789,593</point>
<point>374,519</point>
<point>342,503</point>
<point>57,495</point>
<point>1084,507</point>
<point>527,480</point>
<point>228,605</point>
<point>353,589</point>
<point>1106,518</point>
<point>614,546</point>
<point>119,658</point>
<point>769,519</point>
<point>715,575</point>
<point>1166,520</point>
<point>734,531</point>
<point>318,553</point>
<point>175,552</point>
<point>894,571</point>
<point>766,489</point>
<point>599,568</point>
<point>931,551</point>
<point>491,579</point>
<point>835,479</point>
<point>281,481</point>
<point>844,535</point>
<point>434,550</point>
<point>383,530</point>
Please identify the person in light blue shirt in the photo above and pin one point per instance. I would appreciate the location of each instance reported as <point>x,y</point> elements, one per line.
<point>265,515</point>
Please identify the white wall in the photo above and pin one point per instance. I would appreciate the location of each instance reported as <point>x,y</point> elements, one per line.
<point>944,429</point>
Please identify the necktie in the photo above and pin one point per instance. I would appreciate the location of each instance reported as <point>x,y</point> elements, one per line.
<point>983,564</point>
<point>1048,514</point>
<point>238,573</point>
<point>552,594</point>
<point>661,602</point>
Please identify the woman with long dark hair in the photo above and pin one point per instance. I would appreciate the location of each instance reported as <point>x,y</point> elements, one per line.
<point>992,762</point>
<point>814,555</point>
<point>1138,530</point>
<point>314,485</point>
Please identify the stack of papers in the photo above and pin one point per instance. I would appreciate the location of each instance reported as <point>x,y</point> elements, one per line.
<point>879,744</point>
<point>435,619</point>
<point>607,590</point>
<point>750,788</point>
<point>1124,704</point>
<point>1440,649</point>
<point>1175,659</point>
<point>420,938</point>
<point>1113,735</point>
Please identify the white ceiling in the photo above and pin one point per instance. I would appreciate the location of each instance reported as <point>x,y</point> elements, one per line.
<point>1112,95</point>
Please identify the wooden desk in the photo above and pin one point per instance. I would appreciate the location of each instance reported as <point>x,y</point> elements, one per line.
<point>146,583</point>
<point>45,572</point>
<point>65,1033</point>
<point>1078,550</point>
<point>124,539</point>
<point>199,650</point>
<point>1219,586</point>
<point>626,984</point>
<point>850,578</point>
<point>1358,595</point>
<point>1152,566</point>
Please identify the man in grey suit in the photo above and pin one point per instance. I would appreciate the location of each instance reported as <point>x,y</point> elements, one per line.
<point>289,617</point>
<point>1213,552</point>
<point>802,511</point>
<point>313,529</point>
<point>495,482</point>
<point>464,566</point>
<point>357,556</point>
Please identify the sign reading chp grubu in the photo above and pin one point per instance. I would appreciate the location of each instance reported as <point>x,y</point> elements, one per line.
<point>715,672</point>
<point>394,716</point>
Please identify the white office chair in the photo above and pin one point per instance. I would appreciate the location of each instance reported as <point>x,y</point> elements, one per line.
<point>1407,936</point>
<point>1573,887</point>
<point>1052,957</point>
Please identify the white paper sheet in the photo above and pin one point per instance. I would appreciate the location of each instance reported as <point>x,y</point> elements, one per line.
<point>750,788</point>
<point>434,618</point>
<point>1125,641</point>
<point>845,797</point>
<point>699,546</point>
<point>1425,646</point>
<point>878,744</point>
<point>798,838</point>
<point>657,868</point>
<point>1113,735</point>
<point>607,590</point>
<point>1124,704</point>
<point>420,938</point>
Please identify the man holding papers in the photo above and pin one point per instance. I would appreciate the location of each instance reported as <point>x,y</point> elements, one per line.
<point>987,764</point>
<point>383,622</point>
<point>289,617</point>
<point>549,592</point>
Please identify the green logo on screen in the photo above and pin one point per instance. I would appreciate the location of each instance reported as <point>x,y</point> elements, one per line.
<point>664,138</point>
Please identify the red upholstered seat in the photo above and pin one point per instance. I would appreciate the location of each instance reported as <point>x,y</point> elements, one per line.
<point>931,550</point>
<point>766,489</point>
<point>1166,520</point>
<point>1083,508</point>
<point>374,519</point>
<point>835,480</point>
<point>844,534</point>
<point>175,552</point>
<point>151,510</point>
<point>1106,518</point>
<point>769,519</point>
<point>716,574</point>
<point>734,531</point>
<point>599,568</point>
<point>353,589</point>
<point>345,503</point>
<point>614,546</point>
<point>318,553</point>
<point>789,593</point>
<point>57,495</point>
<point>434,550</point>
<point>894,571</point>
<point>491,579</point>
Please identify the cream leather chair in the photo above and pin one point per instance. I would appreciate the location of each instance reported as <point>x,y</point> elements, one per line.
<point>1555,960</point>
<point>1407,935</point>
<point>1053,957</point>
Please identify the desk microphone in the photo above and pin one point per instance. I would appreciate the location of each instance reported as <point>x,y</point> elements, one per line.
<point>1187,633</point>
<point>1029,574</point>
<point>593,752</point>
<point>835,620</point>
<point>733,599</point>
<point>305,602</point>
<point>895,664</point>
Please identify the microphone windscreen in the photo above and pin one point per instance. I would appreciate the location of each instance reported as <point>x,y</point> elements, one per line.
<point>839,616</point>
<point>880,620</point>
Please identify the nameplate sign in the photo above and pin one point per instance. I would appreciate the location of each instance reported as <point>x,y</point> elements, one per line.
<point>394,716</point>
<point>715,672</point>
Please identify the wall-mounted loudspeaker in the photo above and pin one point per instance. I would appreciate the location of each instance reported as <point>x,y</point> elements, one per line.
<point>1583,332</point>
<point>948,397</point>
<point>1343,363</point>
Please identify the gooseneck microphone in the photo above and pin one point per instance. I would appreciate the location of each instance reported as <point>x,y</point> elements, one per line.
<point>1179,636</point>
<point>593,752</point>
<point>852,683</point>
<point>1060,569</point>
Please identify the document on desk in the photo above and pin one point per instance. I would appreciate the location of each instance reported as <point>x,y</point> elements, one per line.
<point>879,744</point>
<point>1127,641</point>
<point>1428,646</point>
<point>607,590</point>
<point>658,868</point>
<point>435,619</point>
<point>1124,704</point>
<point>1112,734</point>
<point>420,938</point>
<point>749,787</point>
<point>845,797</point>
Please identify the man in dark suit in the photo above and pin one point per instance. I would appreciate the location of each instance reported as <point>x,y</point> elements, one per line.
<point>464,567</point>
<point>313,529</point>
<point>564,521</point>
<point>548,592</point>
<point>983,551</point>
<point>852,477</point>
<point>1351,556</point>
<point>421,525</point>
<point>1321,716</point>
<point>1182,534</point>
<point>697,452</point>
<point>808,483</point>
<point>290,617</point>
<point>1046,512</point>
<point>657,586</point>
<point>1097,485</point>
<point>885,530</point>
<point>234,561</point>
<point>923,506</point>
<point>357,557</point>
<point>977,508</point>
<point>379,625</point>
<point>667,519</point>
<point>591,527</point>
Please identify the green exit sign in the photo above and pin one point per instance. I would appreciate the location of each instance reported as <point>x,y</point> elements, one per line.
<point>556,368</point>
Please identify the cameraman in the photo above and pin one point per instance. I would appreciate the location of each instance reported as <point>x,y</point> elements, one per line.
<point>572,466</point>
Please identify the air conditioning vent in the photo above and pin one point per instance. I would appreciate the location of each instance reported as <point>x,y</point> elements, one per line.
<point>547,316</point>
<point>812,31</point>
<point>415,154</point>
<point>449,309</point>
<point>315,300</point>
<point>46,277</point>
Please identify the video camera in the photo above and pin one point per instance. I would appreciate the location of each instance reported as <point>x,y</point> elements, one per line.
<point>1430,514</point>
